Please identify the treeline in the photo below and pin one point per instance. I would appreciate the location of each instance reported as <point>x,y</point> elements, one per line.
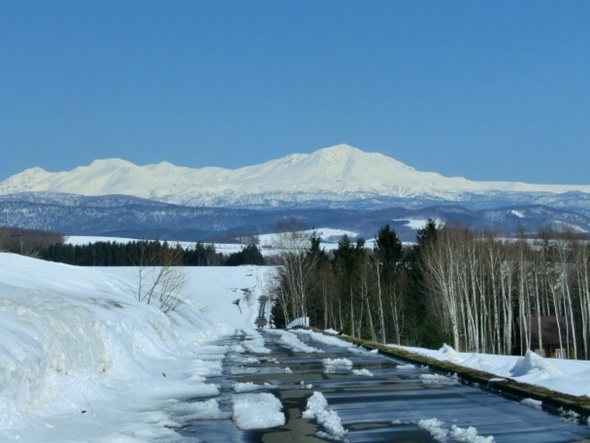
<point>142,252</point>
<point>475,291</point>
<point>496,296</point>
<point>51,246</point>
<point>373,293</point>
<point>27,241</point>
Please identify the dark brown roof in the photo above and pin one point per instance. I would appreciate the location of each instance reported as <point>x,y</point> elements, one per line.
<point>549,329</point>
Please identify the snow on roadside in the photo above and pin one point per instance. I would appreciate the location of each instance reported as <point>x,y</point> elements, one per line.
<point>439,432</point>
<point>531,402</point>
<point>567,376</point>
<point>255,343</point>
<point>251,387</point>
<point>326,339</point>
<point>291,340</point>
<point>317,409</point>
<point>81,359</point>
<point>363,372</point>
<point>431,378</point>
<point>332,365</point>
<point>332,340</point>
<point>257,411</point>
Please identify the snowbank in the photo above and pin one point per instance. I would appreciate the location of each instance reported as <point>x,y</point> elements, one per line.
<point>566,376</point>
<point>81,359</point>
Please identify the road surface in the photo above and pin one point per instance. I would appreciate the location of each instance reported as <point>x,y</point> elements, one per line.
<point>377,398</point>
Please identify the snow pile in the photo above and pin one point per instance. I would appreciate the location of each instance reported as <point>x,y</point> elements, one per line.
<point>304,385</point>
<point>81,359</point>
<point>435,427</point>
<point>569,416</point>
<point>533,364</point>
<point>465,435</point>
<point>450,354</point>
<point>364,372</point>
<point>567,376</point>
<point>331,340</point>
<point>197,410</point>
<point>439,378</point>
<point>337,365</point>
<point>257,411</point>
<point>317,409</point>
<point>531,402</point>
<point>291,340</point>
<point>255,343</point>
<point>251,387</point>
<point>406,366</point>
<point>469,435</point>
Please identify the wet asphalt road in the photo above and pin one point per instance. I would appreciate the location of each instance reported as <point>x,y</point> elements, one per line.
<point>385,407</point>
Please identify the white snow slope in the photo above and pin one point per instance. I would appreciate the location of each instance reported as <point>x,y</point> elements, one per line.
<point>81,360</point>
<point>337,172</point>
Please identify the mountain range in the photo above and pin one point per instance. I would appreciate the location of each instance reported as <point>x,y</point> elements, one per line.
<point>339,184</point>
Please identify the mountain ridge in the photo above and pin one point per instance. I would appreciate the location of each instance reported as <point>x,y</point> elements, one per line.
<point>133,217</point>
<point>337,173</point>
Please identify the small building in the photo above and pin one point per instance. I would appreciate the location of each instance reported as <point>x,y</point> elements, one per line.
<point>556,337</point>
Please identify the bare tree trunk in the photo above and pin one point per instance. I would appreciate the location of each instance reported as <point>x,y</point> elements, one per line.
<point>383,335</point>
<point>585,299</point>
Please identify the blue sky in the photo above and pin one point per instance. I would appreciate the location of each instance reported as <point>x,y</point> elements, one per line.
<point>487,90</point>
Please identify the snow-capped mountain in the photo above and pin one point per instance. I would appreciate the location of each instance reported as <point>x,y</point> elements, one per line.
<point>335,174</point>
<point>338,187</point>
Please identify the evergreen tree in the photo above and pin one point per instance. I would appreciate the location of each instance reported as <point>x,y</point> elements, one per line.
<point>427,330</point>
<point>391,293</point>
<point>250,255</point>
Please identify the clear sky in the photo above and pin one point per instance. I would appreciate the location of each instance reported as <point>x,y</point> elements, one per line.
<point>487,90</point>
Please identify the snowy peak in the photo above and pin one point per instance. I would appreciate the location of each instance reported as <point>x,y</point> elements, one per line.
<point>344,161</point>
<point>337,173</point>
<point>353,158</point>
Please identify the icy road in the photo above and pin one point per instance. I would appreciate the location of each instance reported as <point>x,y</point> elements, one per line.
<point>304,387</point>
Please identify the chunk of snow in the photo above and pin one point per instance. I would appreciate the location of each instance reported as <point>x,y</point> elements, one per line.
<point>200,410</point>
<point>438,378</point>
<point>536,404</point>
<point>468,435</point>
<point>534,363</point>
<point>364,372</point>
<point>336,365</point>
<point>291,340</point>
<point>251,387</point>
<point>257,411</point>
<point>317,409</point>
<point>438,431</point>
<point>435,427</point>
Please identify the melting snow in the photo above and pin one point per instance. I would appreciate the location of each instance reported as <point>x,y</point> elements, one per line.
<point>317,409</point>
<point>257,411</point>
<point>82,360</point>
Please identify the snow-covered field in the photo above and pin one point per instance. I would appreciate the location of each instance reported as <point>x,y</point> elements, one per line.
<point>267,242</point>
<point>82,360</point>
